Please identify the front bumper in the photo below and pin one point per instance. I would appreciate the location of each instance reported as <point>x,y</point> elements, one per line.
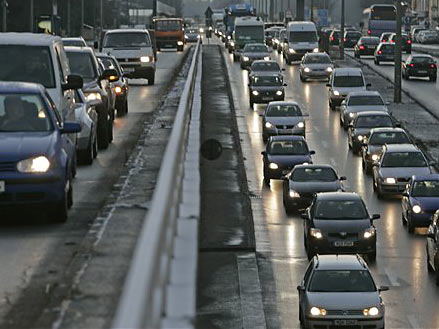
<point>139,70</point>
<point>395,189</point>
<point>328,245</point>
<point>420,220</point>
<point>316,74</point>
<point>422,73</point>
<point>335,321</point>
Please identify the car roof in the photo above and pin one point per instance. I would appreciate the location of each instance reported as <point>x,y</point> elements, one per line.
<point>348,71</point>
<point>337,196</point>
<point>287,138</point>
<point>28,39</point>
<point>374,113</point>
<point>266,74</point>
<point>283,103</point>
<point>401,148</point>
<point>127,30</point>
<point>73,39</point>
<point>317,54</point>
<point>364,93</point>
<point>339,262</point>
<point>20,87</point>
<point>70,49</point>
<point>425,177</point>
<point>314,166</point>
<point>422,55</point>
<point>255,44</point>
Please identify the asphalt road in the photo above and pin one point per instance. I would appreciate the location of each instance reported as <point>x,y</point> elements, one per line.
<point>412,301</point>
<point>29,244</point>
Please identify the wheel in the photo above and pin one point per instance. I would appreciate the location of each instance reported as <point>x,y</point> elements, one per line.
<point>403,221</point>
<point>110,130</point>
<point>355,149</point>
<point>235,58</point>
<point>70,194</point>
<point>230,50</point>
<point>374,184</point>
<point>345,125</point>
<point>123,109</point>
<point>302,78</point>
<point>180,48</point>
<point>279,51</point>
<point>151,80</point>
<point>429,267</point>
<point>267,181</point>
<point>379,193</point>
<point>309,252</point>
<point>95,148</point>
<point>251,104</point>
<point>264,138</point>
<point>103,129</point>
<point>60,210</point>
<point>410,226</point>
<point>333,107</point>
<point>377,62</point>
<point>74,164</point>
<point>86,157</point>
<point>372,256</point>
<point>367,168</point>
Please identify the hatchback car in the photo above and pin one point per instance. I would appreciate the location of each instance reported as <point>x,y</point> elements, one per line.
<point>263,66</point>
<point>433,246</point>
<point>338,291</point>
<point>385,52</point>
<point>37,158</point>
<point>192,35</point>
<point>385,36</point>
<point>282,118</point>
<point>362,123</point>
<point>304,181</point>
<point>406,43</point>
<point>398,163</point>
<point>316,66</point>
<point>253,52</point>
<point>351,38</point>
<point>282,153</point>
<point>419,65</point>
<point>265,88</point>
<point>366,46</point>
<point>420,201</point>
<point>373,145</point>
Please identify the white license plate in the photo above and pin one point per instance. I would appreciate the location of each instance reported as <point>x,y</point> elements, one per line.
<point>343,243</point>
<point>129,69</point>
<point>347,322</point>
<point>2,186</point>
<point>422,72</point>
<point>267,98</point>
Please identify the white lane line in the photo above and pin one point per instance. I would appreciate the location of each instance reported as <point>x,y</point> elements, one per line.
<point>413,321</point>
<point>392,278</point>
<point>317,129</point>
<point>333,162</point>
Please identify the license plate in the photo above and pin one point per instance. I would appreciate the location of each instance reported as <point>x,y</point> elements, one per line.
<point>2,186</point>
<point>343,243</point>
<point>284,131</point>
<point>347,322</point>
<point>267,98</point>
<point>422,72</point>
<point>129,69</point>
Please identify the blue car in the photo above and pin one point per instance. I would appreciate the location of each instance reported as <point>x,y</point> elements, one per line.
<point>282,153</point>
<point>420,201</point>
<point>36,155</point>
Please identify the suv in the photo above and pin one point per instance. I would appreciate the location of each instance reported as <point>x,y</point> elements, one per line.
<point>433,246</point>
<point>338,291</point>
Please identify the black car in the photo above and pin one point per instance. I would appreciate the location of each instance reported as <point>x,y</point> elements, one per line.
<point>339,223</point>
<point>264,66</point>
<point>366,46</point>
<point>433,246</point>
<point>406,43</point>
<point>266,87</point>
<point>385,52</point>
<point>282,153</point>
<point>351,38</point>
<point>419,65</point>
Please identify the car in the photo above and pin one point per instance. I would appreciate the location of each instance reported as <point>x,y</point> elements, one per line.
<point>398,163</point>
<point>282,118</point>
<point>270,66</point>
<point>427,37</point>
<point>253,52</point>
<point>366,46</point>
<point>385,36</point>
<point>338,291</point>
<point>339,223</point>
<point>342,82</point>
<point>37,158</point>
<point>351,38</point>
<point>433,247</point>
<point>373,145</point>
<point>269,34</point>
<point>419,65</point>
<point>281,39</point>
<point>406,43</point>
<point>120,86</point>
<point>334,37</point>
<point>315,66</point>
<point>385,52</point>
<point>192,35</point>
<point>97,86</point>
<point>74,42</point>
<point>361,125</point>
<point>301,38</point>
<point>275,39</point>
<point>360,101</point>
<point>282,153</point>
<point>304,181</point>
<point>265,88</point>
<point>414,30</point>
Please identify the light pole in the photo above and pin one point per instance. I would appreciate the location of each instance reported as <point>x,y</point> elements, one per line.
<point>397,73</point>
<point>342,31</point>
<point>31,16</point>
<point>5,15</point>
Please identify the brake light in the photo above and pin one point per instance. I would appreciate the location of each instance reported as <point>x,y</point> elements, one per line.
<point>412,65</point>
<point>344,39</point>
<point>409,42</point>
<point>369,32</point>
<point>332,38</point>
<point>433,66</point>
<point>391,40</point>
<point>361,47</point>
<point>380,52</point>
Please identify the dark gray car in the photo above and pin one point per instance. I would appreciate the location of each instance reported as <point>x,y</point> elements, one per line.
<point>253,52</point>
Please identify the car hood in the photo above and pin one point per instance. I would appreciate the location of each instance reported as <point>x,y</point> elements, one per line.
<point>303,45</point>
<point>314,187</point>
<point>18,146</point>
<point>289,121</point>
<point>256,55</point>
<point>343,300</point>
<point>364,108</point>
<point>404,172</point>
<point>342,225</point>
<point>347,90</point>
<point>426,203</point>
<point>289,160</point>
<point>362,131</point>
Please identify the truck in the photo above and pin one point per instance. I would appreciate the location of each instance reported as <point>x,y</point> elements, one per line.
<point>169,33</point>
<point>247,30</point>
<point>231,13</point>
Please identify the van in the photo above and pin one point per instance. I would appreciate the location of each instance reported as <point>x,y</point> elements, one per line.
<point>133,50</point>
<point>301,38</point>
<point>40,58</point>
<point>247,30</point>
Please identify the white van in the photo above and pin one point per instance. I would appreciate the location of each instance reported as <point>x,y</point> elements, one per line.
<point>247,30</point>
<point>301,38</point>
<point>40,58</point>
<point>134,51</point>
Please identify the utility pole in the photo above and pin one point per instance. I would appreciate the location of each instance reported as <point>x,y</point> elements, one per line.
<point>31,16</point>
<point>397,73</point>
<point>68,18</point>
<point>82,17</point>
<point>342,31</point>
<point>312,11</point>
<point>300,10</point>
<point>5,15</point>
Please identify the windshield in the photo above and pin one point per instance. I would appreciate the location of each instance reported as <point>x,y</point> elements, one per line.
<point>341,281</point>
<point>317,59</point>
<point>373,121</point>
<point>23,113</point>
<point>348,81</point>
<point>428,188</point>
<point>353,35</point>
<point>267,81</point>
<point>365,100</point>
<point>404,159</point>
<point>164,25</point>
<point>422,60</point>
<point>265,66</point>
<point>255,49</point>
<point>387,48</point>
<point>288,148</point>
<point>303,36</point>
<point>388,138</point>
<point>314,174</point>
<point>370,41</point>
<point>191,31</point>
<point>270,33</point>
<point>383,13</point>
<point>284,111</point>
<point>127,40</point>
<point>82,64</point>
<point>27,64</point>
<point>249,32</point>
<point>340,209</point>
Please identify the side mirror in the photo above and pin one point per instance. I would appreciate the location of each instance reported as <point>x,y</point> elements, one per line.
<point>342,178</point>
<point>70,128</point>
<point>383,288</point>
<point>264,153</point>
<point>285,85</point>
<point>397,125</point>
<point>368,85</point>
<point>73,82</point>
<point>312,152</point>
<point>282,69</point>
<point>300,288</point>
<point>376,216</point>
<point>328,85</point>
<point>109,74</point>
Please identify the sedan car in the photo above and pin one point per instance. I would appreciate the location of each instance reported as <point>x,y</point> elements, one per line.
<point>37,158</point>
<point>428,37</point>
<point>338,291</point>
<point>351,38</point>
<point>373,145</point>
<point>366,46</point>
<point>419,65</point>
<point>304,181</point>
<point>339,223</point>
<point>282,118</point>
<point>262,66</point>
<point>398,163</point>
<point>433,247</point>
<point>406,43</point>
<point>360,101</point>
<point>192,35</point>
<point>282,153</point>
<point>265,88</point>
<point>362,123</point>
<point>420,201</point>
<point>253,52</point>
<point>315,66</point>
<point>385,52</point>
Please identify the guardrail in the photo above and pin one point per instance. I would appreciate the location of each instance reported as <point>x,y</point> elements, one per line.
<point>160,287</point>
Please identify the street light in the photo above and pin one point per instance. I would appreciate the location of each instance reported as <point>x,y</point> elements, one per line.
<point>5,13</point>
<point>397,72</point>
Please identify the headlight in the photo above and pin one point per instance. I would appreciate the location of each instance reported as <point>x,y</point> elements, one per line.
<point>390,180</point>
<point>201,30</point>
<point>38,164</point>
<point>360,137</point>
<point>316,233</point>
<point>374,157</point>
<point>179,43</point>
<point>291,51</point>
<point>210,28</point>
<point>307,69</point>
<point>229,37</point>
<point>329,69</point>
<point>301,124</point>
<point>368,233</point>
<point>198,36</point>
<point>273,166</point>
<point>351,115</point>
<point>305,163</point>
<point>118,90</point>
<point>186,37</point>
<point>245,58</point>
<point>276,41</point>
<point>255,92</point>
<point>336,93</point>
<point>294,194</point>
<point>146,59</point>
<point>268,125</point>
<point>416,209</point>
<point>315,50</point>
<point>266,58</point>
<point>372,311</point>
<point>315,311</point>
<point>93,96</point>
<point>232,44</point>
<point>279,92</point>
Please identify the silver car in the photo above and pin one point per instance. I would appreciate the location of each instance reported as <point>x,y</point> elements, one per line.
<point>316,66</point>
<point>339,291</point>
<point>360,101</point>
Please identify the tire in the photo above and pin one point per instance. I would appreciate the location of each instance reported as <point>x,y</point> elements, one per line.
<point>333,107</point>
<point>151,80</point>
<point>433,79</point>
<point>302,79</point>
<point>95,148</point>
<point>264,138</point>
<point>251,104</point>
<point>430,268</point>
<point>374,185</point>
<point>372,256</point>
<point>103,129</point>
<point>180,48</point>
<point>266,181</point>
<point>367,169</point>
<point>278,51</point>
<point>230,50</point>
<point>355,149</point>
<point>86,157</point>
<point>60,211</point>
<point>410,226</point>
<point>309,253</point>
<point>110,130</point>
<point>379,193</point>
<point>235,58</point>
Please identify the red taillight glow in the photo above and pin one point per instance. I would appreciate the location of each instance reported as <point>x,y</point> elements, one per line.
<point>409,42</point>
<point>391,40</point>
<point>344,39</point>
<point>332,38</point>
<point>380,52</point>
<point>361,47</point>
<point>412,65</point>
<point>432,66</point>
<point>369,32</point>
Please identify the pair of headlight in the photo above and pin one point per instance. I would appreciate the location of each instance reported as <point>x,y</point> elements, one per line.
<point>318,311</point>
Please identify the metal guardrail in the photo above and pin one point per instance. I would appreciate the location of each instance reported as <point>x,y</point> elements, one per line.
<point>160,287</point>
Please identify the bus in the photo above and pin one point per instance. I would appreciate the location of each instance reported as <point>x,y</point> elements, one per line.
<point>378,19</point>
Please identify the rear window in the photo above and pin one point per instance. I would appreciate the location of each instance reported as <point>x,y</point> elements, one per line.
<point>422,60</point>
<point>127,40</point>
<point>365,100</point>
<point>314,174</point>
<point>346,81</point>
<point>388,138</point>
<point>373,121</point>
<point>370,41</point>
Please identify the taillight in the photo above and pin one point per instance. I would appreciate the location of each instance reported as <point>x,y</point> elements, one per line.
<point>412,65</point>
<point>361,47</point>
<point>332,38</point>
<point>380,52</point>
<point>433,66</point>
<point>391,40</point>
<point>409,42</point>
<point>369,32</point>
<point>344,39</point>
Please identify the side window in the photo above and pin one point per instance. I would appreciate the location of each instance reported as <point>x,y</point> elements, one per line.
<point>55,111</point>
<point>62,74</point>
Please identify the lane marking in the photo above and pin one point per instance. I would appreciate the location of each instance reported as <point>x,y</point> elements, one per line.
<point>392,278</point>
<point>413,321</point>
